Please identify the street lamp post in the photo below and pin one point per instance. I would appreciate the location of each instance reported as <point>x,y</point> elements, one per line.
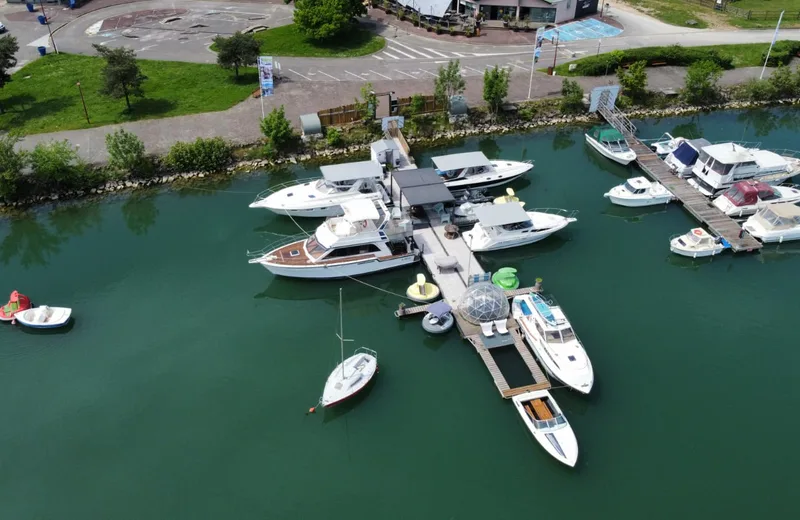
<point>85,111</point>
<point>555,54</point>
<point>49,29</point>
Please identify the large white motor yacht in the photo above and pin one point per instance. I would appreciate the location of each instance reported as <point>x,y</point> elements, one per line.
<point>721,165</point>
<point>547,424</point>
<point>324,197</point>
<point>501,226</point>
<point>473,170</point>
<point>775,223</point>
<point>638,192</point>
<point>367,239</point>
<point>552,339</point>
<point>746,197</point>
<point>682,159</point>
<point>610,143</point>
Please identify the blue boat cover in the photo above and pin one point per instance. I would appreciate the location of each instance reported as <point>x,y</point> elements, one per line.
<point>439,308</point>
<point>543,308</point>
<point>686,154</point>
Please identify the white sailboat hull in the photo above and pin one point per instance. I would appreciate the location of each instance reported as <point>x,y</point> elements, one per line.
<point>339,270</point>
<point>624,158</point>
<point>349,378</point>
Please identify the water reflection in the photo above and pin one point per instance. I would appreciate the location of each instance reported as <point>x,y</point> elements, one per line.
<point>75,219</point>
<point>140,212</point>
<point>778,253</point>
<point>345,407</point>
<point>514,257</point>
<point>633,215</point>
<point>764,121</point>
<point>607,165</point>
<point>30,240</point>
<point>489,147</point>
<point>684,262</point>
<point>205,187</point>
<point>563,139</point>
<point>690,129</point>
<point>49,332</point>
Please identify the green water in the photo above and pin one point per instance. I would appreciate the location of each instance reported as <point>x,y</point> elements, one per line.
<point>181,389</point>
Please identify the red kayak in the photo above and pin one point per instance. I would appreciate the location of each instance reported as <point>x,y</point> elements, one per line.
<point>17,303</point>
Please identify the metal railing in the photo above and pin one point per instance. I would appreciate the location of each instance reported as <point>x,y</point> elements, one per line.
<point>280,241</point>
<point>566,213</point>
<point>278,187</point>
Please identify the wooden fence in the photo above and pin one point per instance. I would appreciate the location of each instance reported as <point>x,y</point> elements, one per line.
<point>747,14</point>
<point>339,115</point>
<point>404,105</point>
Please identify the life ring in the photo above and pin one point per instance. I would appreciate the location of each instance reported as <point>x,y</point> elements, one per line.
<point>698,232</point>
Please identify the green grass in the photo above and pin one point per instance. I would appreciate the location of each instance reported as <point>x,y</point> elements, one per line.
<point>287,40</point>
<point>673,12</point>
<point>43,96</point>
<point>678,12</point>
<point>790,18</point>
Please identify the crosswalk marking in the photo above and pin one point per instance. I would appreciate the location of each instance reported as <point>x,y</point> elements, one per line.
<point>377,57</point>
<point>391,55</point>
<point>379,74</point>
<point>410,49</point>
<point>398,51</point>
<point>436,52</point>
<point>407,74</point>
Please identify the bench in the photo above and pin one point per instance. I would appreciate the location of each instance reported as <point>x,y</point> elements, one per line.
<point>658,63</point>
<point>541,409</point>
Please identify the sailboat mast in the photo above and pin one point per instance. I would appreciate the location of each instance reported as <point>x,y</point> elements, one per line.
<point>341,330</point>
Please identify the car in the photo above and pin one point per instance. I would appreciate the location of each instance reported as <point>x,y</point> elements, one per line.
<point>2,28</point>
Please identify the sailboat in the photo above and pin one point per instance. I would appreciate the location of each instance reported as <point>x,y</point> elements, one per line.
<point>353,374</point>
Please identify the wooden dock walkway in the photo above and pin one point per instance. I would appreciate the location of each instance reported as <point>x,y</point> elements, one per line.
<point>420,309</point>
<point>695,202</point>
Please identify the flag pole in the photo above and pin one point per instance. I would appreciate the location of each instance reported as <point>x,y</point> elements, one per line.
<point>533,64</point>
<point>260,88</point>
<point>774,37</point>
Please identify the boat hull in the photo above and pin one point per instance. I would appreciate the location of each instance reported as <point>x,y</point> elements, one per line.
<point>341,270</point>
<point>331,395</point>
<point>690,253</point>
<point>638,202</point>
<point>561,444</point>
<point>59,318</point>
<point>483,245</point>
<point>617,158</point>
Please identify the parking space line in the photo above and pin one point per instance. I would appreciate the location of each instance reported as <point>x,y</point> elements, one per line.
<point>398,51</point>
<point>354,75</point>
<point>459,54</point>
<point>473,70</point>
<point>411,49</point>
<point>436,52</point>
<point>304,77</point>
<point>429,72</point>
<point>377,57</point>
<point>326,74</point>
<point>406,73</point>
<point>391,55</point>
<point>379,74</point>
<point>519,66</point>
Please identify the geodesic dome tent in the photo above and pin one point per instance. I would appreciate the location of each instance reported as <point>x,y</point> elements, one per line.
<point>483,302</point>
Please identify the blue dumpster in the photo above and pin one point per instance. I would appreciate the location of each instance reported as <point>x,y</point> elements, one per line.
<point>72,4</point>
<point>30,7</point>
<point>42,19</point>
<point>42,50</point>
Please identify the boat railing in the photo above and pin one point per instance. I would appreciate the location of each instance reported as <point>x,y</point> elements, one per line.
<point>666,136</point>
<point>743,144</point>
<point>365,350</point>
<point>566,213</point>
<point>786,152</point>
<point>278,187</point>
<point>278,241</point>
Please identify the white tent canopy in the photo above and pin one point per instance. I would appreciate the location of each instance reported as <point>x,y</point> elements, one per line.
<point>435,8</point>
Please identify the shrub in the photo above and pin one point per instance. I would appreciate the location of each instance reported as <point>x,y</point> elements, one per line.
<point>334,137</point>
<point>702,83</point>
<point>11,164</point>
<point>56,167</point>
<point>783,82</point>
<point>401,13</point>
<point>671,55</point>
<point>438,29</point>
<point>126,154</point>
<point>417,104</point>
<point>452,31</point>
<point>634,80</point>
<point>572,97</point>
<point>782,53</point>
<point>277,128</point>
<point>754,89</point>
<point>204,155</point>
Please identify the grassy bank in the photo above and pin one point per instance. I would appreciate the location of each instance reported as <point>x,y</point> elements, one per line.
<point>287,40</point>
<point>43,96</point>
<point>763,15</point>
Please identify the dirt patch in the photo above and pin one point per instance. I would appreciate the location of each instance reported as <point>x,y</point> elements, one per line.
<point>139,18</point>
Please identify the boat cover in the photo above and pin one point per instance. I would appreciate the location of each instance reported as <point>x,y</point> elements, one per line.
<point>439,308</point>
<point>607,134</point>
<point>686,154</point>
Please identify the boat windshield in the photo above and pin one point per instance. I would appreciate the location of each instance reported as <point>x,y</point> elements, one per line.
<point>721,168</point>
<point>691,238</point>
<point>329,188</point>
<point>617,146</point>
<point>735,195</point>
<point>555,422</point>
<point>631,189</point>
<point>560,336</point>
<point>314,248</point>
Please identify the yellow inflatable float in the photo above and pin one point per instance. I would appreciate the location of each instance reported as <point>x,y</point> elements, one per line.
<point>422,291</point>
<point>510,196</point>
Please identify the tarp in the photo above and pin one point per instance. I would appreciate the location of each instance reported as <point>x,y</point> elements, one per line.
<point>416,177</point>
<point>435,8</point>
<point>439,308</point>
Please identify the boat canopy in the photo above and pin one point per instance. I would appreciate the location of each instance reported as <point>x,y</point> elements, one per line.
<point>781,215</point>
<point>607,134</point>
<point>747,193</point>
<point>360,209</point>
<point>458,161</point>
<point>686,154</point>
<point>501,214</point>
<point>439,308</point>
<point>422,186</point>
<point>352,171</point>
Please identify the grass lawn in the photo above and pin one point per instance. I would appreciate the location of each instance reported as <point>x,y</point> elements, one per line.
<point>43,96</point>
<point>287,40</point>
<point>679,12</point>
<point>767,21</point>
<point>674,12</point>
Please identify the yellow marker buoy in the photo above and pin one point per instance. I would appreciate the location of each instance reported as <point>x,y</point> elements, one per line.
<point>422,291</point>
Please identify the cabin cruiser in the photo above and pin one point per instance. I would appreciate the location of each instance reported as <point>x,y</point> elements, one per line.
<point>610,143</point>
<point>664,147</point>
<point>547,424</point>
<point>367,239</point>
<point>637,192</point>
<point>721,165</point>
<point>682,159</point>
<point>775,223</point>
<point>552,339</point>
<point>473,170</point>
<point>746,197</point>
<point>324,197</point>
<point>501,226</point>
<point>697,243</point>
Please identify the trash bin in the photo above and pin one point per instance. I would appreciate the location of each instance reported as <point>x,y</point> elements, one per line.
<point>30,7</point>
<point>42,19</point>
<point>42,50</point>
<point>72,4</point>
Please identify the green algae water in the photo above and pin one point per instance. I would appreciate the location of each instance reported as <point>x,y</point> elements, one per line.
<point>180,391</point>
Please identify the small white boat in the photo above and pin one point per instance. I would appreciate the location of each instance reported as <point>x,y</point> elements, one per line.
<point>697,243</point>
<point>473,170</point>
<point>552,339</point>
<point>747,197</point>
<point>637,192</point>
<point>353,374</point>
<point>775,223</point>
<point>44,317</point>
<point>682,159</point>
<point>547,424</point>
<point>666,146</point>
<point>501,226</point>
<point>611,144</point>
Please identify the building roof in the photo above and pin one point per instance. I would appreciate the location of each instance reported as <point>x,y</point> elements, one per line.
<point>456,161</point>
<point>435,8</point>
<point>416,177</point>
<point>360,209</point>
<point>310,124</point>
<point>428,194</point>
<point>500,214</point>
<point>351,171</point>
<point>383,144</point>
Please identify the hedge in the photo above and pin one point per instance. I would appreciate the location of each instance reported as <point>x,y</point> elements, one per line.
<point>672,55</point>
<point>782,53</point>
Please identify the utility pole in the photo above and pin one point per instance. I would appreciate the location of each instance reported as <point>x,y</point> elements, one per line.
<point>84,103</point>
<point>555,54</point>
<point>47,22</point>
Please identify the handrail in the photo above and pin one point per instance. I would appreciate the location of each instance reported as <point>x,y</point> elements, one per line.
<point>366,350</point>
<point>281,241</point>
<point>567,213</point>
<point>278,187</point>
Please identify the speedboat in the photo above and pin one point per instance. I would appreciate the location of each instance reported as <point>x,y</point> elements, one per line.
<point>611,144</point>
<point>637,192</point>
<point>697,243</point>
<point>324,197</point>
<point>547,424</point>
<point>746,197</point>
<point>44,317</point>
<point>666,146</point>
<point>682,159</point>
<point>16,303</point>
<point>351,375</point>
<point>550,336</point>
<point>775,223</point>
<point>473,170</point>
<point>508,225</point>
<point>367,239</point>
<point>722,165</point>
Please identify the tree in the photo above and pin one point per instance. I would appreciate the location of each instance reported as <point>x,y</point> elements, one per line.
<point>368,102</point>
<point>571,97</point>
<point>702,79</point>
<point>634,80</point>
<point>56,165</point>
<point>122,76</point>
<point>8,48</point>
<point>417,104</point>
<point>126,153</point>
<point>240,50</point>
<point>11,164</point>
<point>277,128</point>
<point>449,83</point>
<point>324,19</point>
<point>495,87</point>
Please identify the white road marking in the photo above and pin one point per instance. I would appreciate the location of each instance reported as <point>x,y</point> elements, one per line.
<point>304,77</point>
<point>407,74</point>
<point>44,41</point>
<point>326,74</point>
<point>398,51</point>
<point>391,55</point>
<point>428,72</point>
<point>354,75</point>
<point>379,74</point>
<point>473,70</point>
<point>436,52</point>
<point>410,49</point>
<point>519,66</point>
<point>438,62</point>
<point>377,57</point>
<point>459,54</point>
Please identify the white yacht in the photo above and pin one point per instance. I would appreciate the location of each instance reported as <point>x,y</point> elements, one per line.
<point>547,424</point>
<point>324,197</point>
<point>746,197</point>
<point>637,192</point>
<point>501,226</point>
<point>664,147</point>
<point>367,239</point>
<point>552,339</point>
<point>682,159</point>
<point>473,170</point>
<point>775,223</point>
<point>721,165</point>
<point>697,243</point>
<point>611,144</point>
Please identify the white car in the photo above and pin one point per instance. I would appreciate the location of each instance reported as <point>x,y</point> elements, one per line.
<point>2,28</point>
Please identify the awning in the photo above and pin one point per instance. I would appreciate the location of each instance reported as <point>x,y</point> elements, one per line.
<point>501,214</point>
<point>458,161</point>
<point>430,194</point>
<point>416,177</point>
<point>352,171</point>
<point>360,209</point>
<point>435,8</point>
